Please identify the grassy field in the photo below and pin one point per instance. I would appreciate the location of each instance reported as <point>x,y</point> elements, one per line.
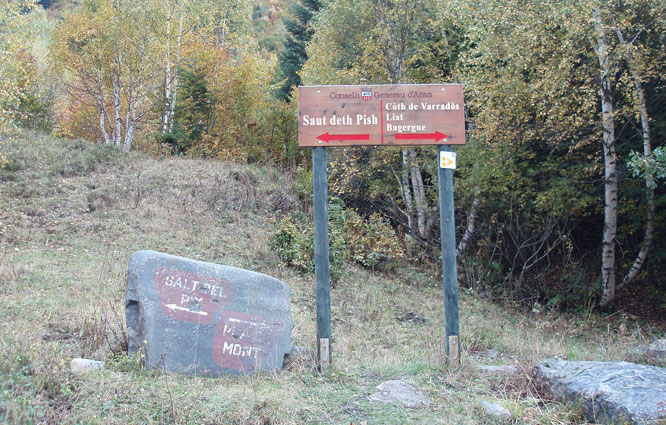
<point>72,213</point>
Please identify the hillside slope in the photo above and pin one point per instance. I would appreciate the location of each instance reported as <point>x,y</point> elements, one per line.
<point>72,213</point>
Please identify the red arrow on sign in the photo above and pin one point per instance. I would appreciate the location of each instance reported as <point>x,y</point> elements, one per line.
<point>326,137</point>
<point>436,135</point>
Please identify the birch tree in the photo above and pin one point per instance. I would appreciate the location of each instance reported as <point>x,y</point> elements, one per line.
<point>227,22</point>
<point>180,25</point>
<point>562,78</point>
<point>172,58</point>
<point>384,41</point>
<point>104,51</point>
<point>638,71</point>
<point>610,162</point>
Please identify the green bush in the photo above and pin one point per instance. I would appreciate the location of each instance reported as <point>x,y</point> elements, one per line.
<point>302,186</point>
<point>293,242</point>
<point>81,158</point>
<point>370,242</point>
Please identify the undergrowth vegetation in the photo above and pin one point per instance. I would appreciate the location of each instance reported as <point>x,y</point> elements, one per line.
<point>369,242</point>
<point>72,213</point>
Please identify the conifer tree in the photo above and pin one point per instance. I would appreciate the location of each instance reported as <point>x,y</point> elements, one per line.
<point>293,56</point>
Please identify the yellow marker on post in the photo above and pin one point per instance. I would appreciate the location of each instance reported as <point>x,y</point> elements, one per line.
<point>447,160</point>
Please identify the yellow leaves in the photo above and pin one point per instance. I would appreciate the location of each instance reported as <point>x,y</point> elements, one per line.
<point>373,42</point>
<point>15,36</point>
<point>371,240</point>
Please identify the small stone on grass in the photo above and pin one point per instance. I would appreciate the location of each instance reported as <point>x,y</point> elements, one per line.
<point>79,366</point>
<point>399,392</point>
<point>496,411</point>
<point>490,354</point>
<point>657,349</point>
<point>506,369</point>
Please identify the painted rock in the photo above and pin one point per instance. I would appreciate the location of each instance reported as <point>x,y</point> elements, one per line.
<point>200,318</point>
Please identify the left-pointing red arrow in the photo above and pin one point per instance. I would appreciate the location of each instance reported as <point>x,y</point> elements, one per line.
<point>326,137</point>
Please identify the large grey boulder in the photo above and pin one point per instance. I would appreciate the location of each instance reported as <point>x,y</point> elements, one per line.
<point>608,392</point>
<point>201,318</point>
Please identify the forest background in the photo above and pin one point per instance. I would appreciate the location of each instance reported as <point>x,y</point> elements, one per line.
<point>559,190</point>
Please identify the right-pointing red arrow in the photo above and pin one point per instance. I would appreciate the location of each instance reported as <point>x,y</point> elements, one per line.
<point>437,136</point>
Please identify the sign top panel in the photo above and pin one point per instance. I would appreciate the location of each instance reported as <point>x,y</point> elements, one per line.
<point>405,114</point>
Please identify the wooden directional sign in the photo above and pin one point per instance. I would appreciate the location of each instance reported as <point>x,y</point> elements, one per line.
<point>416,114</point>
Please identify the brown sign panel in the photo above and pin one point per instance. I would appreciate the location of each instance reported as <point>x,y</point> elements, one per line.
<point>415,114</point>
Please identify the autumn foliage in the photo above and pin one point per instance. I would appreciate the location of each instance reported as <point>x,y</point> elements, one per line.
<point>558,191</point>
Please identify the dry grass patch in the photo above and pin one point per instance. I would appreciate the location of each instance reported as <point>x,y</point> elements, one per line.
<point>71,214</point>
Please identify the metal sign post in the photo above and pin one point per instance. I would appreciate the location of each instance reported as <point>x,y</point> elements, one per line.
<point>447,227</point>
<point>322,265</point>
<point>399,115</point>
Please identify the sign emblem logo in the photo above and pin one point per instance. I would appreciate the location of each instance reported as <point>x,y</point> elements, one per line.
<point>366,95</point>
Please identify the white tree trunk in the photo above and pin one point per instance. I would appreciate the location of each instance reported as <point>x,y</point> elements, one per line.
<point>171,75</point>
<point>650,184</point>
<point>420,217</point>
<point>102,127</point>
<point>129,126</point>
<point>174,90</point>
<point>167,76</point>
<point>135,93</point>
<point>608,285</point>
<point>423,215</point>
<point>101,108</point>
<point>471,224</point>
<point>407,193</point>
<point>117,133</point>
<point>131,123</point>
